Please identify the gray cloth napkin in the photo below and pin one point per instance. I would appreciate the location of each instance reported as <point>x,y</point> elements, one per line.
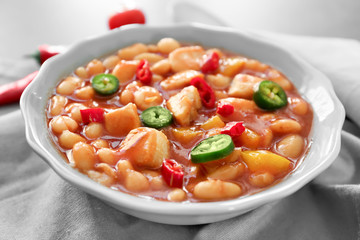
<point>37,204</point>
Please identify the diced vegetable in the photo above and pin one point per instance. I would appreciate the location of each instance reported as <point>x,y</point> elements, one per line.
<point>225,109</point>
<point>148,146</point>
<point>172,173</point>
<point>185,105</point>
<point>270,96</point>
<point>143,72</point>
<point>206,93</point>
<point>105,84</point>
<point>231,66</point>
<point>211,63</point>
<point>156,117</point>
<point>214,122</point>
<point>212,148</point>
<point>92,115</point>
<point>263,160</point>
<point>233,129</point>
<point>186,135</point>
<point>121,121</point>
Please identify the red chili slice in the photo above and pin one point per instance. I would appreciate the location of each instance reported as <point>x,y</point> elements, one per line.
<point>172,173</point>
<point>92,115</point>
<point>143,72</point>
<point>233,129</point>
<point>225,109</point>
<point>211,63</point>
<point>11,92</point>
<point>126,17</point>
<point>206,93</point>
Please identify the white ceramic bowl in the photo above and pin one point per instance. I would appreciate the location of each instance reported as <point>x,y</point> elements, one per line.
<point>315,87</point>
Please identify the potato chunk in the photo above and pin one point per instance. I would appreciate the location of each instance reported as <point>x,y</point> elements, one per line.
<point>145,147</point>
<point>125,70</point>
<point>231,66</point>
<point>184,105</point>
<point>121,121</point>
<point>242,86</point>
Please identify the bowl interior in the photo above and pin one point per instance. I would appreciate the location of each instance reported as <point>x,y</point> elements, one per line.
<point>314,86</point>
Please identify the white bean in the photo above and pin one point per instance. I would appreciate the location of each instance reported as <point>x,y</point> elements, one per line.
<point>107,155</point>
<point>94,130</point>
<point>177,195</point>
<point>291,146</point>
<point>57,105</point>
<point>84,156</point>
<point>68,85</point>
<point>60,123</point>
<point>136,181</point>
<point>68,139</point>
<point>167,45</point>
<point>216,189</point>
<point>285,126</point>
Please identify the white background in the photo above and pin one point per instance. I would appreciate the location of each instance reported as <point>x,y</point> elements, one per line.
<point>26,24</point>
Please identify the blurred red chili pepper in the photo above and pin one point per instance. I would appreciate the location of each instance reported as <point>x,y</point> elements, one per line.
<point>143,72</point>
<point>206,93</point>
<point>92,115</point>
<point>11,92</point>
<point>45,52</point>
<point>211,63</point>
<point>233,129</point>
<point>225,109</point>
<point>172,173</point>
<point>126,17</point>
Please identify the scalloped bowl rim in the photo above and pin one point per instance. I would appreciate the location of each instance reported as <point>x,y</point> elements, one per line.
<point>170,212</point>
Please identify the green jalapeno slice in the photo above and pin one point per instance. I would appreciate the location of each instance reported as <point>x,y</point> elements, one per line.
<point>105,84</point>
<point>156,117</point>
<point>212,148</point>
<point>270,96</point>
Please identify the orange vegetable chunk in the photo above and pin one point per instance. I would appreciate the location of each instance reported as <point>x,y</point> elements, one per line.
<point>262,160</point>
<point>121,121</point>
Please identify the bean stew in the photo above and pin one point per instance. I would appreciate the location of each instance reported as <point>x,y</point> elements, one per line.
<point>180,122</point>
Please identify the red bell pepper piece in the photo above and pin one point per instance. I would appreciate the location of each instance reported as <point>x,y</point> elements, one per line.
<point>206,93</point>
<point>233,129</point>
<point>45,52</point>
<point>126,17</point>
<point>225,109</point>
<point>211,63</point>
<point>172,173</point>
<point>11,92</point>
<point>143,72</point>
<point>92,115</point>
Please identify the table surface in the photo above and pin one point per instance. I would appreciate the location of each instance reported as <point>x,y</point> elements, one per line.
<point>27,24</point>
